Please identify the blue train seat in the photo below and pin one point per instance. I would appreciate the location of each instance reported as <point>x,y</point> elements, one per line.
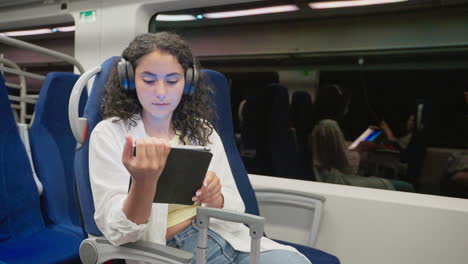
<point>85,196</point>
<point>24,237</point>
<point>224,127</point>
<point>53,149</point>
<point>302,116</point>
<point>93,116</point>
<point>280,141</point>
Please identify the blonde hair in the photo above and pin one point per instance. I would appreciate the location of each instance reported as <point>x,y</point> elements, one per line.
<point>328,145</point>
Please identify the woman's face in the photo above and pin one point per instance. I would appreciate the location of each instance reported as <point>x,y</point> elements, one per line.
<point>159,80</point>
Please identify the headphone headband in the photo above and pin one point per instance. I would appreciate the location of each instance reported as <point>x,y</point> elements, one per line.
<point>126,74</point>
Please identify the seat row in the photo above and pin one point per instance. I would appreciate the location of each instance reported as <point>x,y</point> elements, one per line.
<point>46,228</point>
<point>39,226</point>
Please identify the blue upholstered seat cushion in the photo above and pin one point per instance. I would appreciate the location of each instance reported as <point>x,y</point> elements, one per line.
<point>315,255</point>
<point>49,245</point>
<point>23,235</point>
<point>19,199</point>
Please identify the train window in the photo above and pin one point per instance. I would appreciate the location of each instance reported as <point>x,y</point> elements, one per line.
<point>58,37</point>
<point>398,67</point>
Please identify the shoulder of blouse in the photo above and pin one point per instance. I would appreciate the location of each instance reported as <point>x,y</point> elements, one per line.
<point>116,125</point>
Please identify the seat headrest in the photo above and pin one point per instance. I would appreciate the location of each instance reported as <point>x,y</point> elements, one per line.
<point>93,106</point>
<point>52,91</point>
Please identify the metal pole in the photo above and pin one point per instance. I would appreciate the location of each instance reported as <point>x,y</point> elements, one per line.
<point>22,99</point>
<point>202,223</point>
<point>21,87</point>
<point>22,73</point>
<point>255,251</point>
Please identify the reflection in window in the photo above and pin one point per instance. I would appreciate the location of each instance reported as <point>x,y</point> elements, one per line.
<point>291,67</point>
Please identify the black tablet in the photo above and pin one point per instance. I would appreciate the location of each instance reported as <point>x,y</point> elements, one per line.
<point>183,175</point>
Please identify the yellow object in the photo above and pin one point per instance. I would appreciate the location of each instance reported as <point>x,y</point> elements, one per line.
<point>177,213</point>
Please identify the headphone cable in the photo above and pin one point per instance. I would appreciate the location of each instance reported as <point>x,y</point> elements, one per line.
<point>364,89</point>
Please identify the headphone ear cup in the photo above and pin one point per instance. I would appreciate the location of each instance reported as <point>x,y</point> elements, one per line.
<point>122,71</point>
<point>188,88</point>
<point>130,76</point>
<point>195,79</point>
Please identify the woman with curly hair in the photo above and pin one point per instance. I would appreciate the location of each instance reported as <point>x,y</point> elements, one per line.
<point>154,100</point>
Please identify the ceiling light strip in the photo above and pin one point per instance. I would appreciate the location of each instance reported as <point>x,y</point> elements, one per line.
<point>253,11</point>
<point>340,4</point>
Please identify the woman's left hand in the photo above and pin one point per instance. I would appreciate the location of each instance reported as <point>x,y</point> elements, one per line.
<point>210,194</point>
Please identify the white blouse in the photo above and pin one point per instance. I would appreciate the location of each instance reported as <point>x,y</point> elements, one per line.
<point>110,181</point>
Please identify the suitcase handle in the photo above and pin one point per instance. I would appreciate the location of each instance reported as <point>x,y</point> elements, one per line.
<point>255,223</point>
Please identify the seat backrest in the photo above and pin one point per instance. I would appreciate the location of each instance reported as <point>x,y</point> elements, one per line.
<point>20,213</point>
<point>248,124</point>
<point>434,170</point>
<point>93,115</point>
<point>262,112</point>
<point>302,116</point>
<point>53,148</point>
<point>253,146</point>
<point>281,145</point>
<point>439,123</point>
<point>23,130</point>
<point>224,127</point>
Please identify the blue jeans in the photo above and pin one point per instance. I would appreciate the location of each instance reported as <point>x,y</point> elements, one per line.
<point>220,252</point>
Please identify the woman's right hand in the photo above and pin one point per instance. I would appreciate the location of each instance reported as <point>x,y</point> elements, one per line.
<point>145,169</point>
<point>150,159</point>
<point>387,130</point>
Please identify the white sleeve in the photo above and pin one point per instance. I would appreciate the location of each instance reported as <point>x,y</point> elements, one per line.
<point>220,165</point>
<point>109,183</point>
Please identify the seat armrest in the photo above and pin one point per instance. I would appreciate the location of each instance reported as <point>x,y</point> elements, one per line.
<point>98,250</point>
<point>273,200</point>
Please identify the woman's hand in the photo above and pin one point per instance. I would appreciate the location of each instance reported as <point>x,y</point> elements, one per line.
<point>150,159</point>
<point>210,194</point>
<point>387,130</point>
<point>145,169</point>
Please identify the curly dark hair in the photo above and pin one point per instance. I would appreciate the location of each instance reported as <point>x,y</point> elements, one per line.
<point>192,115</point>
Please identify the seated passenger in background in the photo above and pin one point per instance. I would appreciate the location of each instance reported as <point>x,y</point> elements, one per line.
<point>455,182</point>
<point>388,151</point>
<point>332,102</point>
<point>331,163</point>
<point>404,138</point>
<point>155,111</point>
